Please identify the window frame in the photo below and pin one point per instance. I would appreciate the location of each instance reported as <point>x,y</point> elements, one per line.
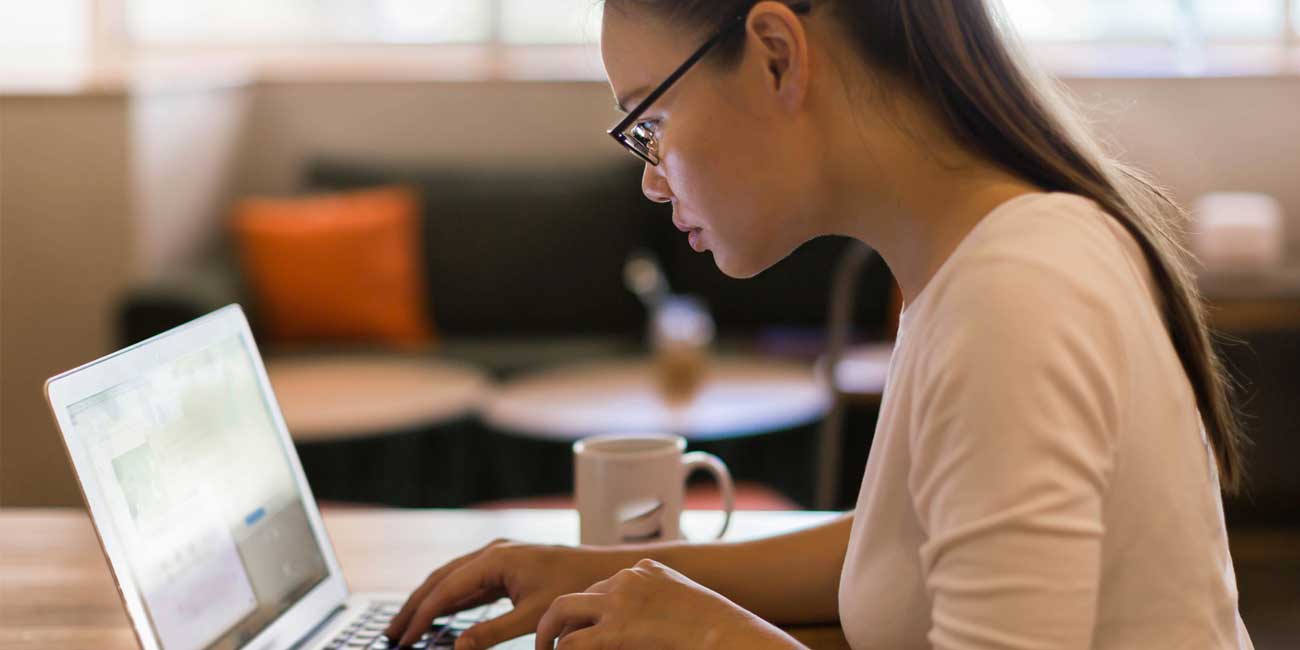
<point>112,24</point>
<point>494,36</point>
<point>1288,36</point>
<point>109,42</point>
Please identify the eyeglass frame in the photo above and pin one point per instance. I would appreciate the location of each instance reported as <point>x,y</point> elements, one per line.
<point>619,131</point>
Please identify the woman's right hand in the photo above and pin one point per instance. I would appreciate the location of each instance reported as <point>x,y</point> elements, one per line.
<point>532,576</point>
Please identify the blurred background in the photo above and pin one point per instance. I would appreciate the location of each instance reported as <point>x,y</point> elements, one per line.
<point>452,273</point>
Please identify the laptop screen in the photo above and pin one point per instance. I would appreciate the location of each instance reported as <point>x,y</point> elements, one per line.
<point>202,494</point>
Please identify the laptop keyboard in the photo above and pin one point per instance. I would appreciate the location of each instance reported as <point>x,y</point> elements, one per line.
<point>367,632</point>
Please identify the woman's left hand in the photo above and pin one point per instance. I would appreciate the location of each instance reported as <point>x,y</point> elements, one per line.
<point>653,606</point>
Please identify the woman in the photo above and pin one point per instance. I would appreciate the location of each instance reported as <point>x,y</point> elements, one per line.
<point>1047,466</point>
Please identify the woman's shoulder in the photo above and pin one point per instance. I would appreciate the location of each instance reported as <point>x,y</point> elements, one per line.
<point>1044,281</point>
<point>1040,254</point>
<point>1064,232</point>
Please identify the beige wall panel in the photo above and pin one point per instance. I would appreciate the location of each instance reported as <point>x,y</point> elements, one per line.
<point>64,259</point>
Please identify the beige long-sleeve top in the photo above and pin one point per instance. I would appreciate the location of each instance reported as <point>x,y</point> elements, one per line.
<point>1039,476</point>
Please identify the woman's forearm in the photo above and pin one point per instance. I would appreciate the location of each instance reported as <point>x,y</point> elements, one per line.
<point>786,579</point>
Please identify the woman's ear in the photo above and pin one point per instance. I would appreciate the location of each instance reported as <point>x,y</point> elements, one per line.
<point>778,38</point>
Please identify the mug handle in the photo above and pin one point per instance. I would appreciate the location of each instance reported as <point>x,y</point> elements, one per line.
<point>699,460</point>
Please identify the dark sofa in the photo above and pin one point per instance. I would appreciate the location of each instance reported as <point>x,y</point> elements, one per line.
<point>524,268</point>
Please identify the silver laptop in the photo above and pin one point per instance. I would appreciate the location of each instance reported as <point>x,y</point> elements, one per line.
<point>201,506</point>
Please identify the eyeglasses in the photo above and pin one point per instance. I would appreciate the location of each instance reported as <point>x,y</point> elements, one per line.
<point>638,136</point>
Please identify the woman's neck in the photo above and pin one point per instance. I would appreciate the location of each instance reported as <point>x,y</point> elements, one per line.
<point>911,194</point>
<point>934,223</point>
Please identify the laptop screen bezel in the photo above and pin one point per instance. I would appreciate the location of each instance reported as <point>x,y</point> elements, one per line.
<point>97,376</point>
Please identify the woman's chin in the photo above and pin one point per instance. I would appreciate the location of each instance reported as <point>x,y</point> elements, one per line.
<point>735,266</point>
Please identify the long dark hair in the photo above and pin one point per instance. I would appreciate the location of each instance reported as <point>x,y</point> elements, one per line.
<point>955,54</point>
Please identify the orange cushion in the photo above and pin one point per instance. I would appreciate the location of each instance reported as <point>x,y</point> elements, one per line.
<point>336,267</point>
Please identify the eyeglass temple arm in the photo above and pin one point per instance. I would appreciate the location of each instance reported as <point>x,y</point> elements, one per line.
<point>799,8</point>
<point>668,83</point>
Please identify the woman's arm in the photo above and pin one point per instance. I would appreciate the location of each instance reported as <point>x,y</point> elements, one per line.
<point>1012,454</point>
<point>787,579</point>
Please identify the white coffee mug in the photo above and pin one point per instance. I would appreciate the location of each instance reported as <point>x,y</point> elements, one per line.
<point>629,488</point>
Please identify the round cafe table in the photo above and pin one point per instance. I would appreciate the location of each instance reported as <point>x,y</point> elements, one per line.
<point>738,397</point>
<point>861,372</point>
<point>537,416</point>
<point>383,429</point>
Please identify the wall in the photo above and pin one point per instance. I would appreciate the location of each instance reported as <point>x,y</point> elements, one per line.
<point>186,144</point>
<point>464,123</point>
<point>1203,135</point>
<point>65,256</point>
<point>99,190</point>
<point>95,191</point>
<point>1195,135</point>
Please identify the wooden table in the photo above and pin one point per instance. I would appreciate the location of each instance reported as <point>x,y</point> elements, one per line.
<point>56,591</point>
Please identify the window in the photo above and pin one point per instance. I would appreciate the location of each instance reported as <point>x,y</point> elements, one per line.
<point>243,22</point>
<point>298,22</point>
<point>34,33</point>
<point>1148,20</point>
<point>50,30</point>
<point>258,22</point>
<point>550,21</point>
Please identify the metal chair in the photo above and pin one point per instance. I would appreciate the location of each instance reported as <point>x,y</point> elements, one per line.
<point>839,325</point>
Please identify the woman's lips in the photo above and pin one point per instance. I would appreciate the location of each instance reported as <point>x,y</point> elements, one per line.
<point>696,239</point>
<point>694,235</point>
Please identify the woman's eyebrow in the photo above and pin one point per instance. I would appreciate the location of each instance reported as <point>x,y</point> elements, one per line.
<point>621,103</point>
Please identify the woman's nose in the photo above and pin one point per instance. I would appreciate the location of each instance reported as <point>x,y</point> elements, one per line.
<point>654,185</point>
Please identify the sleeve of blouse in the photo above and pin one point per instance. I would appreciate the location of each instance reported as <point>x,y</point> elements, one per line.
<point>1016,415</point>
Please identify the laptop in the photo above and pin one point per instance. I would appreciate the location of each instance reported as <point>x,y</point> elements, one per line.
<point>201,506</point>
